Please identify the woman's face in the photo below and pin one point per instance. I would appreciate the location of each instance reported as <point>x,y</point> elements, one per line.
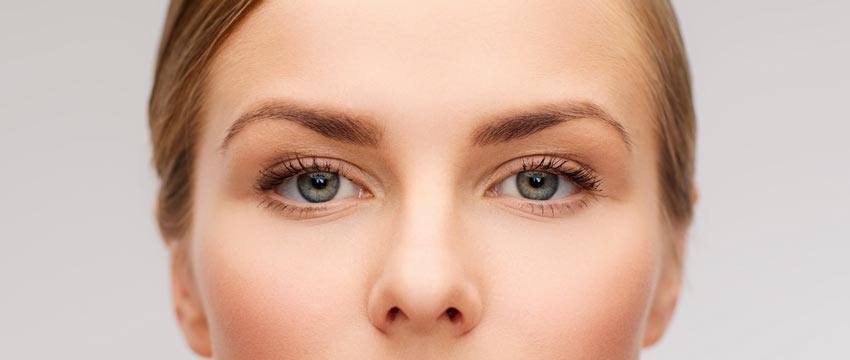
<point>428,180</point>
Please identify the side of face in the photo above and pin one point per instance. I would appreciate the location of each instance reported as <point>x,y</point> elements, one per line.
<point>438,242</point>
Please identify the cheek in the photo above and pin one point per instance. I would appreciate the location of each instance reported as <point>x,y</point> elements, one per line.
<point>271,290</point>
<point>576,290</point>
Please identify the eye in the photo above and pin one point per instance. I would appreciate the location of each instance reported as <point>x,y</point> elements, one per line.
<point>317,187</point>
<point>537,185</point>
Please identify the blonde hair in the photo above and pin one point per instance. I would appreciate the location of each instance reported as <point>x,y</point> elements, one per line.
<point>670,92</point>
<point>194,30</point>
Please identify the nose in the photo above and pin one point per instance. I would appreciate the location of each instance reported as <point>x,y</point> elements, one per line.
<point>423,287</point>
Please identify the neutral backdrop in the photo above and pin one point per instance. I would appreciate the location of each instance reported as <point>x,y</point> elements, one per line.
<point>83,273</point>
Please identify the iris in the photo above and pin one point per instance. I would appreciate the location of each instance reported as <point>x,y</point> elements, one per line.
<point>537,185</point>
<point>318,187</point>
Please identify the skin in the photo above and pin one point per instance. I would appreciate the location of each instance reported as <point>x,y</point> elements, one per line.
<point>592,280</point>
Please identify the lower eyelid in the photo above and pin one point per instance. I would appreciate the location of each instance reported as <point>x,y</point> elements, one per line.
<point>298,211</point>
<point>548,209</point>
<point>271,199</point>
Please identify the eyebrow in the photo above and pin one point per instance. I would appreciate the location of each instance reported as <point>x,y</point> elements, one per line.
<point>360,130</point>
<point>524,124</point>
<point>332,124</point>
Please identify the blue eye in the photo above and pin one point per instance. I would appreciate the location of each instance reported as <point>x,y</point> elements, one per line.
<point>316,187</point>
<point>537,185</point>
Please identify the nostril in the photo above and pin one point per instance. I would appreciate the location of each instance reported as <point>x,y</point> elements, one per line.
<point>453,314</point>
<point>392,313</point>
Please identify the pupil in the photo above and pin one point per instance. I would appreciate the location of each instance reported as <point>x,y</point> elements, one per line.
<point>319,182</point>
<point>537,181</point>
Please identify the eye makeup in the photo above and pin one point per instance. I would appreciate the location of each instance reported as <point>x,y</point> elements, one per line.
<point>583,183</point>
<point>586,184</point>
<point>293,167</point>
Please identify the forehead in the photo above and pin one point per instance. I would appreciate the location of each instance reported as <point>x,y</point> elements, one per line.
<point>430,60</point>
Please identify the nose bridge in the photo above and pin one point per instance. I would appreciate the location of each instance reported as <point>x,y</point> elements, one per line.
<point>426,221</point>
<point>423,286</point>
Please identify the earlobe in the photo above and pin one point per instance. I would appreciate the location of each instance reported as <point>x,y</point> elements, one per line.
<point>187,304</point>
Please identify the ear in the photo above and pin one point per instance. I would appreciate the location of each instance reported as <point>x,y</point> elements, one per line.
<point>187,304</point>
<point>670,283</point>
<point>664,302</point>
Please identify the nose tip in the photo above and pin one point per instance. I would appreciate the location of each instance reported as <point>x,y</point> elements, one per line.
<point>425,283</point>
<point>454,309</point>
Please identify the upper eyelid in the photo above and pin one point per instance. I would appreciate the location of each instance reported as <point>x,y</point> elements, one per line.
<point>309,163</point>
<point>502,171</point>
<point>520,164</point>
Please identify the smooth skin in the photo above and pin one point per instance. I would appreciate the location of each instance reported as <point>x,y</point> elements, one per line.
<point>427,253</point>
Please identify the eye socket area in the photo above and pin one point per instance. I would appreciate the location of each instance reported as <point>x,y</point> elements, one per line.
<point>304,186</point>
<point>314,186</point>
<point>546,185</point>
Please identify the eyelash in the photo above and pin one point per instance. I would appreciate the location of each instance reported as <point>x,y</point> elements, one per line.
<point>279,172</point>
<point>587,182</point>
<point>581,175</point>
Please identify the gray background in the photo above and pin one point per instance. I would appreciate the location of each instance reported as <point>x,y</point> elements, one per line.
<point>83,273</point>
